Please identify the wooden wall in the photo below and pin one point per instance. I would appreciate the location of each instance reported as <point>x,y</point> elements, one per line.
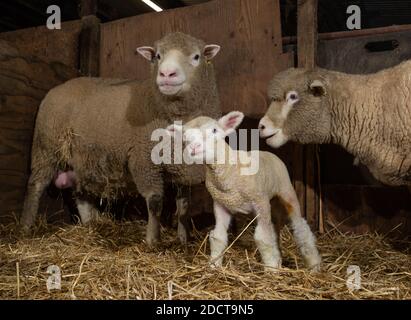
<point>24,81</point>
<point>248,31</point>
<point>49,45</point>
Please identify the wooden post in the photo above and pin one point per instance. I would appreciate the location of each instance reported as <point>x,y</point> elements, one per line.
<point>307,54</point>
<point>88,8</point>
<point>90,46</point>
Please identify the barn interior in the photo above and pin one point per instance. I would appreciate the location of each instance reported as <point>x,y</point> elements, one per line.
<point>98,38</point>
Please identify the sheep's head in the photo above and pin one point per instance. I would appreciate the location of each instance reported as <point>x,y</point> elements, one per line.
<point>297,111</point>
<point>177,59</point>
<point>204,137</point>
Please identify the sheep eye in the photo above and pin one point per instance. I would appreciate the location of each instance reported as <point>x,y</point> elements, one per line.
<point>293,96</point>
<point>214,130</point>
<point>196,57</point>
<point>158,56</point>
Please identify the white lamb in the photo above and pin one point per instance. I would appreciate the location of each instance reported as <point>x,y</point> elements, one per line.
<point>233,191</point>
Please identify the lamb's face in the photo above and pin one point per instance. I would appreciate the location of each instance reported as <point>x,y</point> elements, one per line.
<point>296,104</point>
<point>203,137</point>
<point>176,59</point>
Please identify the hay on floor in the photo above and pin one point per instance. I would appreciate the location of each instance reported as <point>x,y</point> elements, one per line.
<point>110,260</point>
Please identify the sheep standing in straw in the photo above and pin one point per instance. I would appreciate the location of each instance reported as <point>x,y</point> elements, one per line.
<point>235,189</point>
<point>368,115</point>
<point>85,129</point>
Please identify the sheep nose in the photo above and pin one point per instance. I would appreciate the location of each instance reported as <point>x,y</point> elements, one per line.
<point>168,73</point>
<point>195,146</point>
<point>261,127</point>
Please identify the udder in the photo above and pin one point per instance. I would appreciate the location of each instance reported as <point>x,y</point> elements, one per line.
<point>65,179</point>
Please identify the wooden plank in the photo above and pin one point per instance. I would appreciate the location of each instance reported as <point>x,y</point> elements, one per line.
<point>249,32</point>
<point>90,46</point>
<point>354,33</point>
<point>307,54</point>
<point>48,45</point>
<point>365,61</point>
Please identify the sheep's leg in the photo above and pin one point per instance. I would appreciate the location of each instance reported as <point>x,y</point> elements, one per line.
<point>182,216</point>
<point>219,236</point>
<point>265,237</point>
<point>86,210</point>
<point>303,235</point>
<point>38,181</point>
<point>149,182</point>
<point>155,207</point>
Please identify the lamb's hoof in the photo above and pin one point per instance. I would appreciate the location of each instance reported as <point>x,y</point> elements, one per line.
<point>274,267</point>
<point>216,264</point>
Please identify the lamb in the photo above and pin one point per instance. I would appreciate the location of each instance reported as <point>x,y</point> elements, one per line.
<point>86,127</point>
<point>234,190</point>
<point>368,115</point>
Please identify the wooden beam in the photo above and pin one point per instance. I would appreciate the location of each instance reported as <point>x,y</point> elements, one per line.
<point>353,33</point>
<point>88,7</point>
<point>90,46</point>
<point>307,33</point>
<point>307,55</point>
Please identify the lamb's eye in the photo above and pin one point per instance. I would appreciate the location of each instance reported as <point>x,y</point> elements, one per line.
<point>197,57</point>
<point>158,56</point>
<point>214,130</point>
<point>293,96</point>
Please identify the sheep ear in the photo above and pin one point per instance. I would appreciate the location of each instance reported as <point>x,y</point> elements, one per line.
<point>146,52</point>
<point>174,129</point>
<point>317,88</point>
<point>231,121</point>
<point>210,51</point>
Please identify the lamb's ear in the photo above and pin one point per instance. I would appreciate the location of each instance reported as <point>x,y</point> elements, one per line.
<point>174,129</point>
<point>231,121</point>
<point>317,88</point>
<point>210,51</point>
<point>146,52</point>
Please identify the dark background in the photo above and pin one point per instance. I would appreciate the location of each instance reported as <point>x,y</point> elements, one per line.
<point>17,14</point>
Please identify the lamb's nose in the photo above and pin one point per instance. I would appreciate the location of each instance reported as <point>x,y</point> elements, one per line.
<point>261,127</point>
<point>168,73</point>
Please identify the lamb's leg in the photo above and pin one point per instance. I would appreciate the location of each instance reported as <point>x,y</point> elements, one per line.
<point>265,237</point>
<point>182,216</point>
<point>86,210</point>
<point>219,236</point>
<point>38,181</point>
<point>303,235</point>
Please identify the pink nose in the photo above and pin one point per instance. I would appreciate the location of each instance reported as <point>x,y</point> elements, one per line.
<point>193,147</point>
<point>168,73</point>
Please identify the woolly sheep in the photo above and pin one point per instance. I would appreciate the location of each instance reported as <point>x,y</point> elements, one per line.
<point>89,125</point>
<point>234,190</point>
<point>368,115</point>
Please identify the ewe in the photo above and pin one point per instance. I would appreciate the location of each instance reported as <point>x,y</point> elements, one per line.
<point>86,128</point>
<point>235,190</point>
<point>368,115</point>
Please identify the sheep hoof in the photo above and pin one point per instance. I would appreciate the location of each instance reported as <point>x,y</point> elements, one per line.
<point>216,264</point>
<point>316,268</point>
<point>182,235</point>
<point>24,231</point>
<point>152,241</point>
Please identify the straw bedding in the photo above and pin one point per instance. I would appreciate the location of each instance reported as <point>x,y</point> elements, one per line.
<point>110,260</point>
